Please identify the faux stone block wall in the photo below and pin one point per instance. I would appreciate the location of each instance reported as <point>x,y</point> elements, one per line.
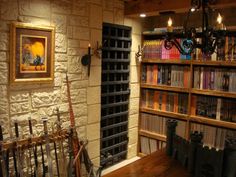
<point>77,23</point>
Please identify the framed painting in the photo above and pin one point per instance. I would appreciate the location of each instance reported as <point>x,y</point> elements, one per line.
<point>32,53</point>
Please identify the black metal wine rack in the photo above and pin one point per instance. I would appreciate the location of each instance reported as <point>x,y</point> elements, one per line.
<point>115,93</point>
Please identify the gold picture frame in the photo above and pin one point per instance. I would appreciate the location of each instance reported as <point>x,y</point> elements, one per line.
<point>31,53</point>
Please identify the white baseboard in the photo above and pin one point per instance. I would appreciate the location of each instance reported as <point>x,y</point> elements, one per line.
<point>119,165</point>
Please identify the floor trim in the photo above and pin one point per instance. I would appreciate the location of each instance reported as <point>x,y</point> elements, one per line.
<point>119,165</point>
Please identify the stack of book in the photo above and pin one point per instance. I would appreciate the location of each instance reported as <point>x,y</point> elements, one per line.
<point>153,123</point>
<point>157,124</point>
<point>154,49</point>
<point>149,145</point>
<point>172,75</point>
<point>215,108</point>
<point>212,136</point>
<point>221,79</point>
<point>165,101</point>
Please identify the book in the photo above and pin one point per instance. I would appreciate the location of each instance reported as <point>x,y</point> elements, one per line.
<point>149,74</point>
<point>156,100</point>
<point>153,145</point>
<point>144,98</point>
<point>186,76</point>
<point>175,103</point>
<point>213,137</point>
<point>177,76</point>
<point>155,74</point>
<point>163,103</point>
<point>144,74</point>
<point>145,147</point>
<point>150,99</point>
<point>218,109</point>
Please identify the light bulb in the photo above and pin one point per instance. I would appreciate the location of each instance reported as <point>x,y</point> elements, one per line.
<point>169,22</point>
<point>219,19</point>
<point>193,9</point>
<point>142,15</point>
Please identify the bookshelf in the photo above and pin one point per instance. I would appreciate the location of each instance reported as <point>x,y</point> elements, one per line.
<point>198,91</point>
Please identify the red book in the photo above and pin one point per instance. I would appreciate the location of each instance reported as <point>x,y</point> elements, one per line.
<point>155,74</point>
<point>176,103</point>
<point>164,98</point>
<point>149,74</point>
<point>156,100</point>
<point>193,105</point>
<point>186,77</point>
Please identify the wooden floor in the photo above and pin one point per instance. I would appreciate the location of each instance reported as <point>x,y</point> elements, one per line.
<point>154,165</point>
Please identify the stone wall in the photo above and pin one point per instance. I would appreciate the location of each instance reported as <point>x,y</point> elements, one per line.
<point>77,23</point>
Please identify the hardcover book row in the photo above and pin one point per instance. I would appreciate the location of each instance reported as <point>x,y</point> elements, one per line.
<point>149,145</point>
<point>172,75</point>
<point>157,124</point>
<point>213,107</point>
<point>221,79</point>
<point>213,136</point>
<point>165,101</point>
<point>154,49</point>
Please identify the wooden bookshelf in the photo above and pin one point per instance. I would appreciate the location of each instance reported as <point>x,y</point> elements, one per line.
<point>214,93</point>
<point>152,135</point>
<point>192,121</point>
<point>189,62</point>
<point>213,122</point>
<point>214,63</point>
<point>165,88</point>
<point>166,61</point>
<point>174,115</point>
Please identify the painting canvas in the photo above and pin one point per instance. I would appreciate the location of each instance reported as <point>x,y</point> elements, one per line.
<point>32,53</point>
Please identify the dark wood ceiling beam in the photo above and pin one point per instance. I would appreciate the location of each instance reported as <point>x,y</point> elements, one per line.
<point>153,7</point>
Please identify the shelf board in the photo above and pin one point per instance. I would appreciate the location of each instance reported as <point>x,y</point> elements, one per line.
<point>166,88</point>
<point>115,93</point>
<point>168,61</point>
<point>173,115</point>
<point>214,93</point>
<point>214,63</point>
<point>117,49</point>
<point>115,82</point>
<point>152,135</point>
<point>114,71</point>
<point>115,60</point>
<point>213,122</point>
<point>117,38</point>
<point>149,33</point>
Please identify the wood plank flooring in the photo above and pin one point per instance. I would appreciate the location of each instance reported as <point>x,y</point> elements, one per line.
<point>154,165</point>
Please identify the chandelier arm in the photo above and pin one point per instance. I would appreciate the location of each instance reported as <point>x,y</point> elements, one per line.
<point>214,47</point>
<point>179,47</point>
<point>210,38</point>
<point>169,43</point>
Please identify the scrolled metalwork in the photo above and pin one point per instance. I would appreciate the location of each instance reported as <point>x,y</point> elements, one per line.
<point>206,39</point>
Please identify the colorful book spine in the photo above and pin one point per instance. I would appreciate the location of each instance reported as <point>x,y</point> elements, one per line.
<point>144,74</point>
<point>155,74</point>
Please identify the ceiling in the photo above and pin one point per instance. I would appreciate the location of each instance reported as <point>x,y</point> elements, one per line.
<point>154,7</point>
